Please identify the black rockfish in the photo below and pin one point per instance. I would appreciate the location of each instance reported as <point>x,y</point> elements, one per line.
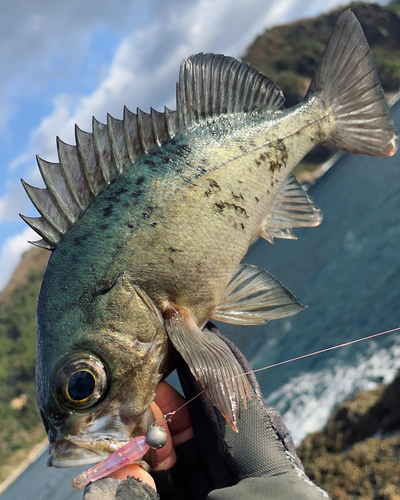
<point>148,219</point>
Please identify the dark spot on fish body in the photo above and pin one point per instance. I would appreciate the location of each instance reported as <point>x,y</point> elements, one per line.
<point>242,225</point>
<point>257,200</point>
<point>282,148</point>
<point>214,186</point>
<point>151,163</point>
<point>107,211</point>
<point>262,157</point>
<point>275,166</point>
<point>79,240</point>
<point>171,260</point>
<point>131,226</point>
<point>258,163</point>
<point>237,196</point>
<point>242,149</point>
<point>140,180</point>
<point>221,205</point>
<point>180,149</point>
<point>145,215</point>
<point>104,227</point>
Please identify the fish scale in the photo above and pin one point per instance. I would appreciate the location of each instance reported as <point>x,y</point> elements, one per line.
<point>149,218</point>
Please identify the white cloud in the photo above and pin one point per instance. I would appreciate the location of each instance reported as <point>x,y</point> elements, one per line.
<point>44,41</point>
<point>11,251</point>
<point>144,68</point>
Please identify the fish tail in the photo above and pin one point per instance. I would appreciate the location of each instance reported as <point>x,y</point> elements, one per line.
<point>348,83</point>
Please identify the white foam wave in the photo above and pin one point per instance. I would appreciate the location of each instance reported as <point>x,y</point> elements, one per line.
<point>307,400</point>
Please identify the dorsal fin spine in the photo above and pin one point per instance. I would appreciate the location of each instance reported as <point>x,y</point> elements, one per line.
<point>156,133</point>
<point>42,244</point>
<point>44,204</point>
<point>52,176</point>
<point>87,155</point>
<point>118,143</point>
<point>41,226</point>
<point>141,130</point>
<point>72,171</point>
<point>171,118</point>
<point>102,148</point>
<point>131,132</point>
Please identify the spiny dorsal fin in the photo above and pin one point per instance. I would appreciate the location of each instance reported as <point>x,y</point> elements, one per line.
<point>211,85</point>
<point>292,208</point>
<point>254,297</point>
<point>86,169</point>
<point>208,85</point>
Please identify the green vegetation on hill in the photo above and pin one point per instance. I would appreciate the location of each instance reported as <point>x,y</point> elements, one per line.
<point>21,426</point>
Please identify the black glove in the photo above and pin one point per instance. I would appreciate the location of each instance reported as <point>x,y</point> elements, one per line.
<point>259,462</point>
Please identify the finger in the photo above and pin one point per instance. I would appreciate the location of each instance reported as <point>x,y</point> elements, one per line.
<point>168,399</point>
<point>165,457</point>
<point>134,470</point>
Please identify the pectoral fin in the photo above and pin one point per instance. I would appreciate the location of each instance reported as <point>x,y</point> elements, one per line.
<point>254,297</point>
<point>210,361</point>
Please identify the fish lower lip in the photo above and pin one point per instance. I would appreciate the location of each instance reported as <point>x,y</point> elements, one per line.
<point>52,462</point>
<point>66,453</point>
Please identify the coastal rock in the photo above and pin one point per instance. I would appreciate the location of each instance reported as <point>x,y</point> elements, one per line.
<point>356,454</point>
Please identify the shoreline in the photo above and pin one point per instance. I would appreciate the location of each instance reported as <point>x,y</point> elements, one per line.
<point>33,455</point>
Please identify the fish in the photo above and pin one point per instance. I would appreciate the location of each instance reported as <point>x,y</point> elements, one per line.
<point>148,219</point>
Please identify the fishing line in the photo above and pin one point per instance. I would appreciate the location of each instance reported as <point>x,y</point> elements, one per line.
<point>156,436</point>
<point>168,416</point>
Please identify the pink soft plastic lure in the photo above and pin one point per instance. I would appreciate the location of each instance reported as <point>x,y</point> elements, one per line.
<point>127,454</point>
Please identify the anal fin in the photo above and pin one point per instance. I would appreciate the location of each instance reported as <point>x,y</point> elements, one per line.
<point>254,297</point>
<point>211,362</point>
<point>292,208</point>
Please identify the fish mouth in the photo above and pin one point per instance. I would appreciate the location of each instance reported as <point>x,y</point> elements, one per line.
<point>73,453</point>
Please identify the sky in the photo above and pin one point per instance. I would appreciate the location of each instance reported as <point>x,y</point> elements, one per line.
<point>63,62</point>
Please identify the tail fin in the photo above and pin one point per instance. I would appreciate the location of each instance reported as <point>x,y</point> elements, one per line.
<point>348,82</point>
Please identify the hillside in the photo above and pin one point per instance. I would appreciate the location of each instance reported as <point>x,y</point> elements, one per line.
<point>21,427</point>
<point>289,54</point>
<point>356,454</point>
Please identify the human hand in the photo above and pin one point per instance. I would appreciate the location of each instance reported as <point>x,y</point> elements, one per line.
<point>259,462</point>
<point>178,430</point>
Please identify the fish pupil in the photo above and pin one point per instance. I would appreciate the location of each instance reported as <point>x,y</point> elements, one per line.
<point>81,385</point>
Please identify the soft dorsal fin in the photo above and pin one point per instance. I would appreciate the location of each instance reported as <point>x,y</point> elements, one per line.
<point>292,208</point>
<point>211,84</point>
<point>208,85</point>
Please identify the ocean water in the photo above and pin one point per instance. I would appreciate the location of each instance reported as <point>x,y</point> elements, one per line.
<point>347,271</point>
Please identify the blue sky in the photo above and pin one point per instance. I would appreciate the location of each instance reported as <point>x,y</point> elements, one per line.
<point>63,62</point>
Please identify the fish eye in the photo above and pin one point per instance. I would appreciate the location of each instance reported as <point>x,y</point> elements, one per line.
<point>82,382</point>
